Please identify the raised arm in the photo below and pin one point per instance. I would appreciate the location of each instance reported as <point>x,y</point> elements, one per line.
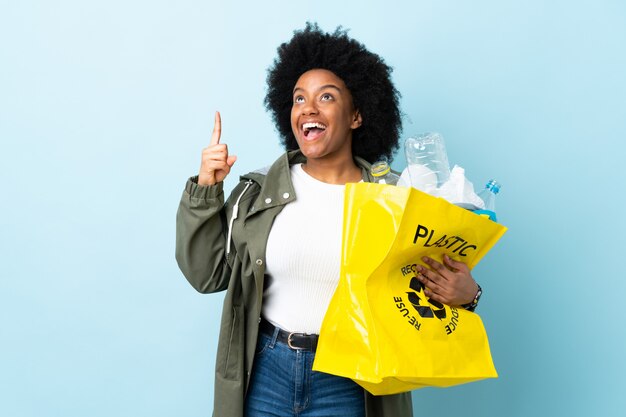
<point>201,219</point>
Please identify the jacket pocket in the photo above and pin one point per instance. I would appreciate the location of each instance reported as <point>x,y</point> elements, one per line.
<point>231,345</point>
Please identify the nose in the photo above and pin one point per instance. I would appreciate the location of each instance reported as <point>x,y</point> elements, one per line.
<point>309,107</point>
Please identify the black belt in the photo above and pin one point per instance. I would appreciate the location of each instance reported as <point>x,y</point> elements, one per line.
<point>296,341</point>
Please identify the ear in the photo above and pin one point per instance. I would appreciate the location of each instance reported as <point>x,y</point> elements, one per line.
<point>356,120</point>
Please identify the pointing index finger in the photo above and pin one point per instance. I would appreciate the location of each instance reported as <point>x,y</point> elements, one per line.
<point>217,129</point>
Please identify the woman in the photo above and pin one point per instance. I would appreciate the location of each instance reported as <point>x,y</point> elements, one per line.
<point>275,244</point>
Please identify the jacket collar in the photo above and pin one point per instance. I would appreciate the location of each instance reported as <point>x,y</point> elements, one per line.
<point>276,186</point>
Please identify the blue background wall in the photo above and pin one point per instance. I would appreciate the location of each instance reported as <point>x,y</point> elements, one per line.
<point>106,105</point>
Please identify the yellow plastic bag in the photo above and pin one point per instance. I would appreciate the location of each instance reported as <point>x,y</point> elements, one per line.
<point>380,329</point>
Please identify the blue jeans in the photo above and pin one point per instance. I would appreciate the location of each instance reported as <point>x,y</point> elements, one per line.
<point>284,385</point>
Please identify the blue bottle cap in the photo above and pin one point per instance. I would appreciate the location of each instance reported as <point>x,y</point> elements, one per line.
<point>493,186</point>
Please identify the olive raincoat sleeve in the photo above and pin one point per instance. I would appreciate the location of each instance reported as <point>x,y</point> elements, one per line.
<point>201,234</point>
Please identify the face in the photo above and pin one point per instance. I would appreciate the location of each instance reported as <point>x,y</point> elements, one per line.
<point>323,116</point>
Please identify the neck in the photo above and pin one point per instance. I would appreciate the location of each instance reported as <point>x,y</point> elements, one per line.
<point>333,172</point>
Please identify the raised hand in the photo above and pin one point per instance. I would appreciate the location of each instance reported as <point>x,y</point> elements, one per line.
<point>216,162</point>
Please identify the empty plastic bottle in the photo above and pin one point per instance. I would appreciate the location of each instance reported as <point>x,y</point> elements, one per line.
<point>381,171</point>
<point>488,195</point>
<point>427,161</point>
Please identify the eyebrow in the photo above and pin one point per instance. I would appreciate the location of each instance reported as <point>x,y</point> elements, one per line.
<point>333,86</point>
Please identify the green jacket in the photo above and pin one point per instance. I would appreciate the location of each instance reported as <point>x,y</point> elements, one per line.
<point>221,246</point>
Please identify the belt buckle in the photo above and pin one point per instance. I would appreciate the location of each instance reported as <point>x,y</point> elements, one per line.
<point>289,342</point>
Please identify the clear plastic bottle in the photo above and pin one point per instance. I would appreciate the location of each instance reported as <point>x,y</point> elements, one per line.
<point>488,195</point>
<point>381,171</point>
<point>427,161</point>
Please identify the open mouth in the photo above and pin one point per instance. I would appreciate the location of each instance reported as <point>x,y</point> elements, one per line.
<point>312,130</point>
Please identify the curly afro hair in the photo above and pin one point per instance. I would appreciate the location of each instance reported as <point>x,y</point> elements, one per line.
<point>365,74</point>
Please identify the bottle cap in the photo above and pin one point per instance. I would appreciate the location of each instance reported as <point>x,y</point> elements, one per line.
<point>380,168</point>
<point>493,186</point>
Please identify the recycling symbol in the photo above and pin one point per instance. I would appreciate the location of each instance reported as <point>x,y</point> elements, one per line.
<point>425,308</point>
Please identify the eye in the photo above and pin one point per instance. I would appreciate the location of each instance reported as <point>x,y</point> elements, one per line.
<point>326,97</point>
<point>298,99</point>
